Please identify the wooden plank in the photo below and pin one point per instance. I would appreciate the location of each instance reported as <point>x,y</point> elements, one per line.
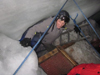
<point>48,55</point>
<point>66,55</point>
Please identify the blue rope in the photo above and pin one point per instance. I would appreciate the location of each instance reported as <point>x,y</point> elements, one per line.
<point>74,20</point>
<point>86,19</point>
<point>39,39</point>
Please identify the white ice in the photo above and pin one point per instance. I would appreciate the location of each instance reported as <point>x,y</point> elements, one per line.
<point>11,56</point>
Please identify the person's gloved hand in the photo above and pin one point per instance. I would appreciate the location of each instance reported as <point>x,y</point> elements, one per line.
<point>76,29</point>
<point>26,42</point>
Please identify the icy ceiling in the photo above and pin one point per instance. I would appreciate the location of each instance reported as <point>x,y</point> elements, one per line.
<point>17,15</point>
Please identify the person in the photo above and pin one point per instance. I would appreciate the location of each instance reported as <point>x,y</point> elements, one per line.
<point>33,33</point>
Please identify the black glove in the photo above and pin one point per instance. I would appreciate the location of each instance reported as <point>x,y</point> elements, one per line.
<point>76,29</point>
<point>26,42</point>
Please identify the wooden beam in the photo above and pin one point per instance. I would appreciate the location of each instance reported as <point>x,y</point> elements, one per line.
<point>48,55</point>
<point>66,55</point>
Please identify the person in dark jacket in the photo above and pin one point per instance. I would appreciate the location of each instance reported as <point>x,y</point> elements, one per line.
<point>34,33</point>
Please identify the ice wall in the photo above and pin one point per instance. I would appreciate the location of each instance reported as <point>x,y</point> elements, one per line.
<point>11,56</point>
